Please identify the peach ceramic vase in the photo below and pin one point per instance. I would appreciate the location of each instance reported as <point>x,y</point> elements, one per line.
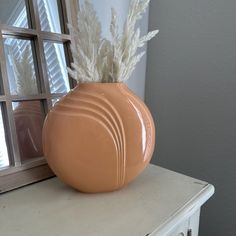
<point>99,137</point>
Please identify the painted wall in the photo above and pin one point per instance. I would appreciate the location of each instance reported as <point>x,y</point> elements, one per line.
<point>191,90</point>
<point>103,8</point>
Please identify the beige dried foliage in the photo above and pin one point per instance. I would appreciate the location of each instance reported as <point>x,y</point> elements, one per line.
<point>97,59</point>
<point>24,72</point>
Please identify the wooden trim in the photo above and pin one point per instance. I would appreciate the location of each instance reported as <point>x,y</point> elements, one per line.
<point>55,37</point>
<point>2,98</point>
<point>6,88</point>
<point>72,8</point>
<point>30,14</point>
<point>35,14</point>
<point>15,98</point>
<point>1,84</point>
<point>42,67</point>
<point>27,165</point>
<point>24,177</point>
<point>13,149</point>
<point>69,59</point>
<point>62,16</point>
<point>18,32</point>
<point>42,96</point>
<point>8,139</point>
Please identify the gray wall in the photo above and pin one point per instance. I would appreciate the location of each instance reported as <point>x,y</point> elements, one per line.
<point>191,91</point>
<point>103,9</point>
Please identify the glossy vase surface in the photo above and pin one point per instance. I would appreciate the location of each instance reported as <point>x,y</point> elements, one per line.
<point>99,137</point>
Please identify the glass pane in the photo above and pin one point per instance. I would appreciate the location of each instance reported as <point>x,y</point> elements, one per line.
<point>20,66</point>
<point>14,13</point>
<point>4,160</point>
<point>56,67</point>
<point>29,122</point>
<point>55,100</point>
<point>48,15</point>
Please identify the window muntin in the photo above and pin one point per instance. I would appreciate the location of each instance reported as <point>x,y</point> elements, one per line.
<point>4,159</point>
<point>1,83</point>
<point>56,67</point>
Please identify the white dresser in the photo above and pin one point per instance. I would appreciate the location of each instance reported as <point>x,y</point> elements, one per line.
<point>159,202</point>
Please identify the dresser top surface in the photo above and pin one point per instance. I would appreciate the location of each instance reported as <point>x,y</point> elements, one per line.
<point>155,200</point>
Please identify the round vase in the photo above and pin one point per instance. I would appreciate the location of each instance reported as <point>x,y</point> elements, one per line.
<point>99,137</point>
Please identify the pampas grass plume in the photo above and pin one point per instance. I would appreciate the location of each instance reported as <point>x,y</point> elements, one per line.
<point>96,59</point>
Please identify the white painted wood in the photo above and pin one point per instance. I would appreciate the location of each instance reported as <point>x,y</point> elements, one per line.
<point>180,230</point>
<point>194,223</point>
<point>187,210</point>
<point>158,201</point>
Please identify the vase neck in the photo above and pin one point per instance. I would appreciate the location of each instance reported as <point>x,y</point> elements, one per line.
<point>104,85</point>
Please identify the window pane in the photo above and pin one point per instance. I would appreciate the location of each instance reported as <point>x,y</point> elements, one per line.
<point>56,67</point>
<point>55,100</point>
<point>4,160</point>
<point>20,66</point>
<point>29,122</point>
<point>13,12</point>
<point>48,15</point>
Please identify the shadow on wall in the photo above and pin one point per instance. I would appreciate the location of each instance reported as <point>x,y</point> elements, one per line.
<point>190,90</point>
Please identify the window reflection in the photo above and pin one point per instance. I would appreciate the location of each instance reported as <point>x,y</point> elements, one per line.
<point>29,122</point>
<point>4,160</point>
<point>13,12</point>
<point>55,100</point>
<point>56,67</point>
<point>20,66</point>
<point>49,16</point>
